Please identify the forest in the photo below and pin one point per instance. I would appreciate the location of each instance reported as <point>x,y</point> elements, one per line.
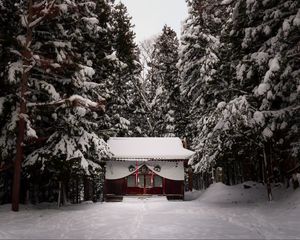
<point>72,75</point>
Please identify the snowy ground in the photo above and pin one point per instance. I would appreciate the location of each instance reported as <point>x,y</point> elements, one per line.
<point>219,212</point>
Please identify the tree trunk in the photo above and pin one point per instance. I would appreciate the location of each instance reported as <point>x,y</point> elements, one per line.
<point>73,191</point>
<point>268,168</point>
<point>27,199</point>
<point>64,193</point>
<point>77,190</point>
<point>59,194</point>
<point>213,175</point>
<point>190,179</point>
<point>36,193</point>
<point>263,177</point>
<point>26,55</point>
<point>86,188</point>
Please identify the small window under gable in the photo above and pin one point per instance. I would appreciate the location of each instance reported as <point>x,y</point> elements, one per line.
<point>131,181</point>
<point>157,181</point>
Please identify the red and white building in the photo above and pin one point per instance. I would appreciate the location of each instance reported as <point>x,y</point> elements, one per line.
<point>146,166</point>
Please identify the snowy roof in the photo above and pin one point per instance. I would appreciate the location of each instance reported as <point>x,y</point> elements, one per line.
<point>144,148</point>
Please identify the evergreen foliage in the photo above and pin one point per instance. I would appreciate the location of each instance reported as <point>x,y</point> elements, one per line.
<point>64,100</point>
<point>163,84</point>
<point>237,70</point>
<point>231,86</point>
<point>126,107</point>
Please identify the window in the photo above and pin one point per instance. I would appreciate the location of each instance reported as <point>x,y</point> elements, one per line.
<point>157,181</point>
<point>131,181</point>
<point>141,181</point>
<point>143,170</point>
<point>148,181</point>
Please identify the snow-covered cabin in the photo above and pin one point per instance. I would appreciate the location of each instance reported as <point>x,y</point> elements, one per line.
<point>149,165</point>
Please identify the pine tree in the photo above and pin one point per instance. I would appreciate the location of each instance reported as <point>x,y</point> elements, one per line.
<point>164,84</point>
<point>8,115</point>
<point>270,70</point>
<point>203,82</point>
<point>127,106</point>
<point>64,101</point>
<point>8,98</point>
<point>256,101</point>
<point>200,56</point>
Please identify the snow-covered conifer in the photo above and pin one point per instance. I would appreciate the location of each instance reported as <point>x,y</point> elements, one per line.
<point>127,106</point>
<point>64,100</point>
<point>163,83</point>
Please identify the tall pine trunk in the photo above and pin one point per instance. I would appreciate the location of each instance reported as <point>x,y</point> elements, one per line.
<point>64,193</point>
<point>26,55</point>
<point>59,194</point>
<point>268,168</point>
<point>86,187</point>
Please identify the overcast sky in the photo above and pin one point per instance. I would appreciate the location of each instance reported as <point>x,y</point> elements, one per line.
<point>149,16</point>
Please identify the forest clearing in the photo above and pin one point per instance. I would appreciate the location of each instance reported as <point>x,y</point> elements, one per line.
<point>220,212</point>
<point>195,131</point>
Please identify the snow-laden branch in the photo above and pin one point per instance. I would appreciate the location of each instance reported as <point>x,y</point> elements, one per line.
<point>74,101</point>
<point>45,13</point>
<point>280,112</point>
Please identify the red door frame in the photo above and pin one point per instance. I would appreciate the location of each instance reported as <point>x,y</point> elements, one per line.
<point>144,190</point>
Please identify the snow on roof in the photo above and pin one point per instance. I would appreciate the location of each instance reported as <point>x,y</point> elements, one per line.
<point>148,148</point>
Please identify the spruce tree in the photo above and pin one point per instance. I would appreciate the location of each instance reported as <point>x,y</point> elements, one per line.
<point>8,97</point>
<point>127,106</point>
<point>269,70</point>
<point>203,82</point>
<point>164,84</point>
<point>64,101</point>
<point>253,101</point>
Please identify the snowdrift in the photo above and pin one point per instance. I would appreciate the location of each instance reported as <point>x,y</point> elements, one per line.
<point>247,192</point>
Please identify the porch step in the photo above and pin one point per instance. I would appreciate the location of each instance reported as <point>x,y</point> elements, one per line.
<point>175,197</point>
<point>147,198</point>
<point>113,198</point>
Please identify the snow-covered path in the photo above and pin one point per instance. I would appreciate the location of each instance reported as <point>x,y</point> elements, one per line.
<point>221,212</point>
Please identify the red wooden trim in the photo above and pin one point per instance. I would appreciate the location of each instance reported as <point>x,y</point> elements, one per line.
<point>140,191</point>
<point>169,187</point>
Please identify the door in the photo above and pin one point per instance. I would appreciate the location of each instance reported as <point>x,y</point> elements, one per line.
<point>144,181</point>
